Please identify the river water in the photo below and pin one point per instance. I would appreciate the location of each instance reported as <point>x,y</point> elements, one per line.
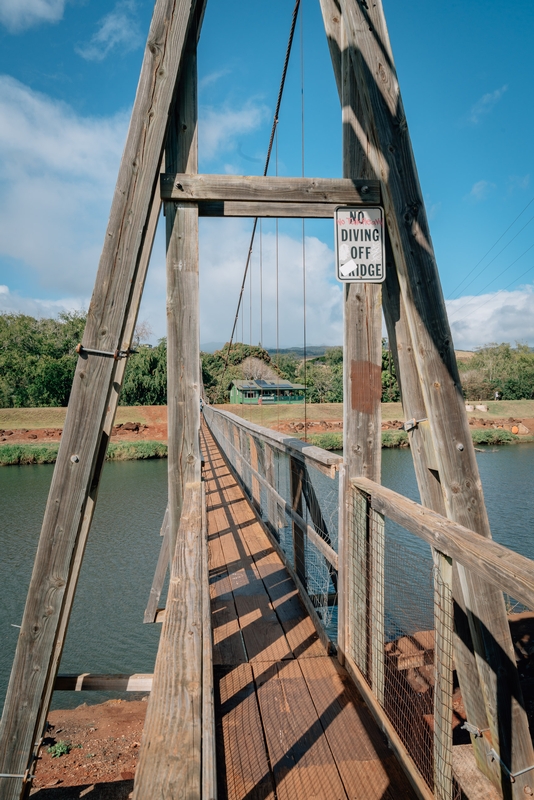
<point>106,632</point>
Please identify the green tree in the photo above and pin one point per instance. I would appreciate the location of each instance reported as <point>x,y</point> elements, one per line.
<point>38,358</point>
<point>145,378</point>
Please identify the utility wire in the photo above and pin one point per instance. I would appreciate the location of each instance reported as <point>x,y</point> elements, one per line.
<point>267,160</point>
<point>491,248</point>
<point>495,279</point>
<point>305,371</point>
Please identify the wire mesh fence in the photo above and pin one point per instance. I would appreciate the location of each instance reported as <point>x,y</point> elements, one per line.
<point>297,502</point>
<point>400,635</point>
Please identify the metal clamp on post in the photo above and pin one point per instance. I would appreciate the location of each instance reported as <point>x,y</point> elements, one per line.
<point>25,778</point>
<point>512,775</point>
<point>81,350</point>
<point>410,424</point>
<point>477,733</point>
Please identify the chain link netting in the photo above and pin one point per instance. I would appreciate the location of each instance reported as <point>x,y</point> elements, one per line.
<point>276,482</point>
<point>400,635</point>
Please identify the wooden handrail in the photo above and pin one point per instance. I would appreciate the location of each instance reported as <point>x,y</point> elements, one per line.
<point>511,572</point>
<point>326,462</point>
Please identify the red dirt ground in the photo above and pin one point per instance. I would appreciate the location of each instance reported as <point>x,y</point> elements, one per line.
<point>104,742</point>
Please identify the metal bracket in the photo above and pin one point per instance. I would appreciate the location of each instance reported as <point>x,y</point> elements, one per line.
<point>410,424</point>
<point>477,733</point>
<point>81,350</point>
<point>25,778</point>
<point>512,775</point>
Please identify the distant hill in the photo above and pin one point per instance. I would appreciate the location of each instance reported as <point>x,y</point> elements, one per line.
<point>211,347</point>
<point>298,352</point>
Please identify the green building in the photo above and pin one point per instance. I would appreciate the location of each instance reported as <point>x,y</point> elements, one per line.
<point>259,392</point>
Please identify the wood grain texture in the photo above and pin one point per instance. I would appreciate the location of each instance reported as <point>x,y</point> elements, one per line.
<point>162,566</point>
<point>296,478</point>
<point>379,124</point>
<point>170,755</point>
<point>93,382</point>
<point>512,572</point>
<point>272,210</point>
<point>183,311</point>
<point>253,188</point>
<point>89,682</point>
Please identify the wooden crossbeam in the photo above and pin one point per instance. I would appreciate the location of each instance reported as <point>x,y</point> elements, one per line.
<point>89,682</point>
<point>512,572</point>
<point>267,210</point>
<point>258,189</point>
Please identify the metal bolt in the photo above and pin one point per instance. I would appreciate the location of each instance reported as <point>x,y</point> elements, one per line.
<point>75,459</point>
<point>459,446</point>
<point>365,189</point>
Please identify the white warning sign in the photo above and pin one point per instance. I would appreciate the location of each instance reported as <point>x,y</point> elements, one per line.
<point>360,244</point>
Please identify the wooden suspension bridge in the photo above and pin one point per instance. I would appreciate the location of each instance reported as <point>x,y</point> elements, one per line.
<point>295,659</point>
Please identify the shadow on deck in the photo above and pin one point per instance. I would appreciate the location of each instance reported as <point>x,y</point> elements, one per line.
<point>290,723</point>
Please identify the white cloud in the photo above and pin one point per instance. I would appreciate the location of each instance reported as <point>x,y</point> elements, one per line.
<point>118,29</point>
<point>212,77</point>
<point>480,191</point>
<point>13,303</point>
<point>18,15</point>
<point>494,317</point>
<point>485,104</point>
<point>219,129</point>
<point>58,172</point>
<point>518,182</point>
<point>223,249</point>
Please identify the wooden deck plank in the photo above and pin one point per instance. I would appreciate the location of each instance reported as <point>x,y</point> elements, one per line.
<point>299,753</point>
<point>243,766</point>
<point>367,766</point>
<point>291,718</point>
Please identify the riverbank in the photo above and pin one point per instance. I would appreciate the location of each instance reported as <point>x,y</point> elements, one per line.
<point>32,435</point>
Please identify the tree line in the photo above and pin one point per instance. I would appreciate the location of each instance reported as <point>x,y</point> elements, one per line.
<point>38,359</point>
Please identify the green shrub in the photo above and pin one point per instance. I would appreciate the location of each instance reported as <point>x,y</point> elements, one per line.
<point>60,748</point>
<point>328,441</point>
<point>395,439</point>
<point>493,436</point>
<point>128,451</point>
<point>12,454</point>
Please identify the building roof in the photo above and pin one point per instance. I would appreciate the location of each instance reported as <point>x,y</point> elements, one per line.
<point>251,385</point>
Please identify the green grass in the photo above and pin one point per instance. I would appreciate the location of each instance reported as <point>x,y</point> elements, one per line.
<point>55,417</point>
<point>328,441</point>
<point>494,436</point>
<point>13,454</point>
<point>334,441</point>
<point>127,451</point>
<point>395,439</point>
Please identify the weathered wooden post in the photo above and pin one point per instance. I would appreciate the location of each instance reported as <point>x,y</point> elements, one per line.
<point>183,331</point>
<point>89,417</point>
<point>417,322</point>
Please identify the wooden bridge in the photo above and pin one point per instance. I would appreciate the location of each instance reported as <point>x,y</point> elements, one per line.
<point>323,636</point>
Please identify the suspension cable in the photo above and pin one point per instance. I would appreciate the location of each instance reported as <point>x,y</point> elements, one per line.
<point>303,227</point>
<point>265,170</point>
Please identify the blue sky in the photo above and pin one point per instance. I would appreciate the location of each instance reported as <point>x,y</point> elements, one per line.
<point>68,74</point>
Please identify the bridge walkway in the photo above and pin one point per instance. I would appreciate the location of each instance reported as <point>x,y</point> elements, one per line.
<point>290,723</point>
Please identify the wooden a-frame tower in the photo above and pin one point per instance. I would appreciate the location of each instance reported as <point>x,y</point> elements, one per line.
<point>378,167</point>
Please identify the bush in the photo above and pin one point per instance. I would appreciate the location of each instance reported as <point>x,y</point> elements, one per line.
<point>13,454</point>
<point>129,451</point>
<point>395,439</point>
<point>494,436</point>
<point>328,441</point>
